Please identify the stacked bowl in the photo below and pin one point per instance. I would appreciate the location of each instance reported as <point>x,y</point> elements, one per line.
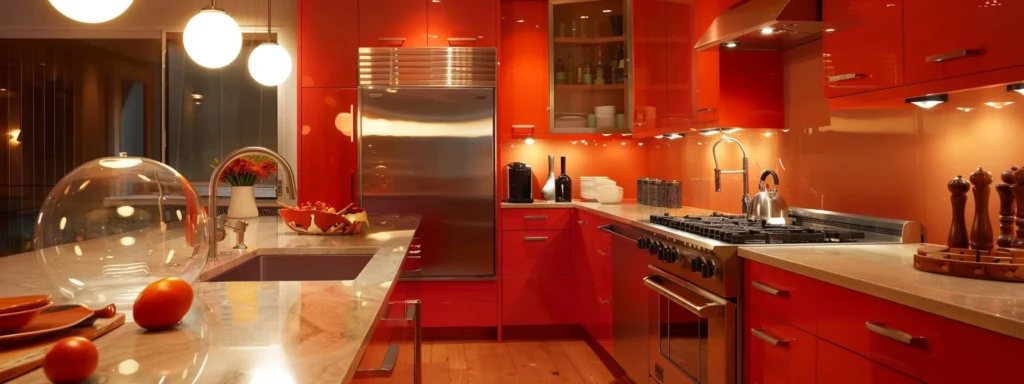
<point>605,116</point>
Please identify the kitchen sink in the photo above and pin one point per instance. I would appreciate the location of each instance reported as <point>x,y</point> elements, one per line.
<point>296,267</point>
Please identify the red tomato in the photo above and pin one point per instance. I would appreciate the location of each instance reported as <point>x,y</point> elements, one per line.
<point>71,360</point>
<point>162,304</point>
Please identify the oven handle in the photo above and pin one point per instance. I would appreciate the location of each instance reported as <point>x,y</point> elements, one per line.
<point>714,308</point>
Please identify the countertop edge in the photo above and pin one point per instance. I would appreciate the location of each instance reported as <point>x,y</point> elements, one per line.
<point>948,310</point>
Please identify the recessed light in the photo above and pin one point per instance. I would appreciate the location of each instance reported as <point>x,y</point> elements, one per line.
<point>607,11</point>
<point>584,17</point>
<point>1019,88</point>
<point>196,96</point>
<point>731,44</point>
<point>830,30</point>
<point>998,104</point>
<point>767,30</point>
<point>929,101</point>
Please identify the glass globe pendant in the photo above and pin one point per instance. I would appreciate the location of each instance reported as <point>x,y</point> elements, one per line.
<point>91,11</point>
<point>212,38</point>
<point>270,64</point>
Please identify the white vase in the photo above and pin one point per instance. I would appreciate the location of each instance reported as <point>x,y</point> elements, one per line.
<point>243,203</point>
<point>548,190</point>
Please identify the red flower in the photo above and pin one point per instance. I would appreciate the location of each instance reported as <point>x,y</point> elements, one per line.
<point>247,170</point>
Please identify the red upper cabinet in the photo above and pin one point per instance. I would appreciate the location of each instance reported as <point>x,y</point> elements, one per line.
<point>462,23</point>
<point>329,45</point>
<point>523,94</point>
<point>679,64</point>
<point>328,156</point>
<point>863,45</point>
<point>947,38</point>
<point>393,23</point>
<point>649,72</point>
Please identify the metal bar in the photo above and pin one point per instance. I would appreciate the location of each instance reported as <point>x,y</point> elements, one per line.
<point>952,55</point>
<point>390,39</point>
<point>768,289</point>
<point>731,172</point>
<point>846,76</point>
<point>387,366</point>
<point>417,341</point>
<point>707,311</point>
<point>535,238</point>
<point>893,334</point>
<point>450,39</point>
<point>760,334</point>
<point>535,218</point>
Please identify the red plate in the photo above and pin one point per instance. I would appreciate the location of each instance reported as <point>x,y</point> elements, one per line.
<point>15,321</point>
<point>50,320</point>
<point>22,303</point>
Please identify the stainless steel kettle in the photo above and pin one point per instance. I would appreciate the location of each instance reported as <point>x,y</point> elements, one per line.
<point>768,206</point>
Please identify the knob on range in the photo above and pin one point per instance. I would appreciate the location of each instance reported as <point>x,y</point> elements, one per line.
<point>643,243</point>
<point>697,264</point>
<point>708,270</point>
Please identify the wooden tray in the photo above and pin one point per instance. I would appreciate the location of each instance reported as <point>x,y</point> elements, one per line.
<point>20,357</point>
<point>1000,264</point>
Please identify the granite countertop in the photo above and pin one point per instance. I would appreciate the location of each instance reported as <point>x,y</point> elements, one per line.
<point>251,332</point>
<point>887,272</point>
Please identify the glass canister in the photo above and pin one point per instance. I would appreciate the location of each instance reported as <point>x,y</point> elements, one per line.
<point>114,225</point>
<point>675,194</point>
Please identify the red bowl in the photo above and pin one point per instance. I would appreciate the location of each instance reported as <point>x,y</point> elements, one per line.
<point>301,221</point>
<point>22,303</point>
<point>12,322</point>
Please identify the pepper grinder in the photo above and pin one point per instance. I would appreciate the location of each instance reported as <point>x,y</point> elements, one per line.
<point>1018,191</point>
<point>958,198</point>
<point>981,230</point>
<point>1007,206</point>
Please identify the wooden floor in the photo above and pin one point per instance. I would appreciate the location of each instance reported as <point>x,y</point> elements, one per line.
<point>513,362</point>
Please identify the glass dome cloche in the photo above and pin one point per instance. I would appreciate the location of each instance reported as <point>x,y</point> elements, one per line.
<point>116,224</point>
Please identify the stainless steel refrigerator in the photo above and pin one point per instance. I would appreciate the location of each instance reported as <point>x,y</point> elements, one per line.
<point>427,147</point>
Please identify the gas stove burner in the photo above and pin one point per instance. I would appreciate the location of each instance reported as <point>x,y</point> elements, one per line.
<point>735,229</point>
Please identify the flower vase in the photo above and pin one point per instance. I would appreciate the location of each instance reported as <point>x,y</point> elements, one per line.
<point>243,203</point>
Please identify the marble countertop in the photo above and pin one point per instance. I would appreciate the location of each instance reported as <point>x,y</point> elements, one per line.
<point>251,332</point>
<point>887,272</point>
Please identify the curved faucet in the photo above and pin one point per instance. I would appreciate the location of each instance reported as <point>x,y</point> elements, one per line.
<point>718,172</point>
<point>211,224</point>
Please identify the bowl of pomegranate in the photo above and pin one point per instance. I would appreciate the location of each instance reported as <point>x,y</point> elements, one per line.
<point>323,219</point>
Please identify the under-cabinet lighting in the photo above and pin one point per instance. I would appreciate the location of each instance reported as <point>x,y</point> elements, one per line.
<point>659,137</point>
<point>675,136</point>
<point>731,44</point>
<point>715,131</point>
<point>1019,88</point>
<point>731,130</point>
<point>929,101</point>
<point>965,109</point>
<point>767,30</point>
<point>998,104</point>
<point>768,134</point>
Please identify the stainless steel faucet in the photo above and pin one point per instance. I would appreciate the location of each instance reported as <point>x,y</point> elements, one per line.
<point>719,172</point>
<point>211,226</point>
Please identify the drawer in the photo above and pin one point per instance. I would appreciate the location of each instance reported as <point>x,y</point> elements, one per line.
<point>785,295</point>
<point>464,314</point>
<point>536,300</point>
<point>535,252</point>
<point>516,219</point>
<point>775,352</point>
<point>446,291</point>
<point>926,346</point>
<point>839,366</point>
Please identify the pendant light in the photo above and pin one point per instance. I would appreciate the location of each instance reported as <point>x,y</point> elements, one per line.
<point>212,38</point>
<point>270,64</point>
<point>91,11</point>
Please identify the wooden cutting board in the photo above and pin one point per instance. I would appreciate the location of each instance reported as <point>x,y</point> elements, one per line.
<point>18,358</point>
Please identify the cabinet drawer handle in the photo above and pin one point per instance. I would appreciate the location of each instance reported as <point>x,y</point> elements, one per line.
<point>768,289</point>
<point>760,334</point>
<point>581,222</point>
<point>461,40</point>
<point>535,238</point>
<point>702,110</point>
<point>894,334</point>
<point>846,76</point>
<point>413,314</point>
<point>391,39</point>
<point>602,252</point>
<point>535,218</point>
<point>952,55</point>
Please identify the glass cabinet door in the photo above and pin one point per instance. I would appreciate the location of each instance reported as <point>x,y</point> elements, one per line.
<point>590,68</point>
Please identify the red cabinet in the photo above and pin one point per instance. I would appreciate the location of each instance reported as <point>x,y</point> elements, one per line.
<point>328,152</point>
<point>523,97</point>
<point>462,23</point>
<point>680,64</point>
<point>775,352</point>
<point>536,300</point>
<point>592,276</point>
<point>649,72</point>
<point>862,45</point>
<point>393,23</point>
<point>947,38</point>
<point>535,252</point>
<point>513,219</point>
<point>453,303</point>
<point>836,365</point>
<point>329,44</point>
<point>785,295</point>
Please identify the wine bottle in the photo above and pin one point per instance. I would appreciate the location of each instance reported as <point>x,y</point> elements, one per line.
<point>560,75</point>
<point>588,78</point>
<point>620,77</point>
<point>570,76</point>
<point>563,186</point>
<point>599,74</point>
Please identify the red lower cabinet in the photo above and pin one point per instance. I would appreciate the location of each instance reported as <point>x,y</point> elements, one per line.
<point>328,152</point>
<point>836,365</point>
<point>536,300</point>
<point>453,303</point>
<point>535,252</point>
<point>775,352</point>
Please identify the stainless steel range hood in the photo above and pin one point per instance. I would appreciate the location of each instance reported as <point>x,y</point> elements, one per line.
<point>765,25</point>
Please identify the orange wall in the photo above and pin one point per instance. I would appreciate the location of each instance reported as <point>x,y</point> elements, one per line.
<point>884,162</point>
<point>623,160</point>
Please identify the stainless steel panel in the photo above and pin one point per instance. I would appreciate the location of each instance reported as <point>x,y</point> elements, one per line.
<point>437,67</point>
<point>430,151</point>
<point>629,314</point>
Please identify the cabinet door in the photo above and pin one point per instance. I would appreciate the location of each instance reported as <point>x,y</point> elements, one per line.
<point>680,64</point>
<point>329,45</point>
<point>523,95</point>
<point>947,38</point>
<point>863,47</point>
<point>774,352</point>
<point>649,72</point>
<point>536,300</point>
<point>462,23</point>
<point>836,365</point>
<point>328,153</point>
<point>392,23</point>
<point>535,252</point>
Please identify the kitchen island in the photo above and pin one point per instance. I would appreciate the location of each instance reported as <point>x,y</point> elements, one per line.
<point>251,332</point>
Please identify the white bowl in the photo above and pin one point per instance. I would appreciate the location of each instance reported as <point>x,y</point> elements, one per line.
<point>604,182</point>
<point>604,109</point>
<point>609,194</point>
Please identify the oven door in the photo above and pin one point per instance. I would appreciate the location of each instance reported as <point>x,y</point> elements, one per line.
<point>692,332</point>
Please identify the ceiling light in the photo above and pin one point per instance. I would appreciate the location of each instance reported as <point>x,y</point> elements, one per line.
<point>196,96</point>
<point>767,30</point>
<point>965,109</point>
<point>91,11</point>
<point>607,11</point>
<point>1019,88</point>
<point>212,38</point>
<point>998,104</point>
<point>929,101</point>
<point>270,64</point>
<point>731,44</point>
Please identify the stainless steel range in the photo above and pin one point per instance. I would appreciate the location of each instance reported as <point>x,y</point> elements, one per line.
<point>693,284</point>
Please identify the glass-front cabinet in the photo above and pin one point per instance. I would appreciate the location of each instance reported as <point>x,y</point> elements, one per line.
<point>590,66</point>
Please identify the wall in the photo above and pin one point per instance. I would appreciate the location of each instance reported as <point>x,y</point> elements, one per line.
<point>886,162</point>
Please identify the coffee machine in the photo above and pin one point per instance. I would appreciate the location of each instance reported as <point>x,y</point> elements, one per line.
<point>520,182</point>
